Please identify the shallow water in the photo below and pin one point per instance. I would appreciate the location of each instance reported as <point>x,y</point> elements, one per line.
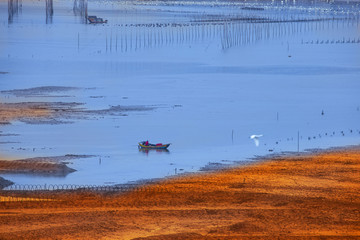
<point>215,76</point>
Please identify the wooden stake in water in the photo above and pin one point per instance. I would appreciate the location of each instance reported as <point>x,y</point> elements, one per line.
<point>298,141</point>
<point>116,44</point>
<point>78,41</point>
<point>288,47</point>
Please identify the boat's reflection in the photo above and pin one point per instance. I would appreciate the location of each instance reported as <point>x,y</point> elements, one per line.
<point>146,151</point>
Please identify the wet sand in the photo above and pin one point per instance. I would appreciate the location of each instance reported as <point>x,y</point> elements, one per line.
<point>54,166</point>
<point>56,112</point>
<point>34,167</point>
<point>14,111</point>
<point>312,196</point>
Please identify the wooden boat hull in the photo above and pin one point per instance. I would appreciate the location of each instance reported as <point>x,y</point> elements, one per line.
<point>96,20</point>
<point>151,146</point>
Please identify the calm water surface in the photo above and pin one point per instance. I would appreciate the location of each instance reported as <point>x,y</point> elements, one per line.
<point>215,73</point>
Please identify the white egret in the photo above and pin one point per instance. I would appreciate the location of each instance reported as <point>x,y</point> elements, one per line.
<point>256,139</point>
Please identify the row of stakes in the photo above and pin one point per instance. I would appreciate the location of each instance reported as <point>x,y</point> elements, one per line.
<point>79,188</point>
<point>314,137</point>
<point>354,40</point>
<point>129,38</point>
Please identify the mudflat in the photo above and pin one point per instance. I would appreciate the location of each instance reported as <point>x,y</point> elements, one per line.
<point>14,111</point>
<point>312,196</point>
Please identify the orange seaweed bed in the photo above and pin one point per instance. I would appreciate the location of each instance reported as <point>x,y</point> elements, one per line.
<point>313,196</point>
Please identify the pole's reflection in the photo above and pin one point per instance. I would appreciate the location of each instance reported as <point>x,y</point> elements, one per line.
<point>14,7</point>
<point>80,8</point>
<point>49,11</point>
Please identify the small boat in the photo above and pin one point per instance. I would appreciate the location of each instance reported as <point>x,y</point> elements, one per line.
<point>95,19</point>
<point>143,145</point>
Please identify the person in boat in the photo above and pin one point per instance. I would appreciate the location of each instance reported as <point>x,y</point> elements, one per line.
<point>147,143</point>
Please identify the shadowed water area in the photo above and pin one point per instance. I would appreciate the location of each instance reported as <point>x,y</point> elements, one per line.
<point>204,76</point>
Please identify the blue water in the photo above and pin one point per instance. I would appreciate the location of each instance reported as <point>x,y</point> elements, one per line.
<point>212,81</point>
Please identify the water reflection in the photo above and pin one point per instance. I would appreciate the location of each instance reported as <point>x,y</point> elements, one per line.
<point>160,151</point>
<point>14,7</point>
<point>49,11</point>
<point>80,8</point>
